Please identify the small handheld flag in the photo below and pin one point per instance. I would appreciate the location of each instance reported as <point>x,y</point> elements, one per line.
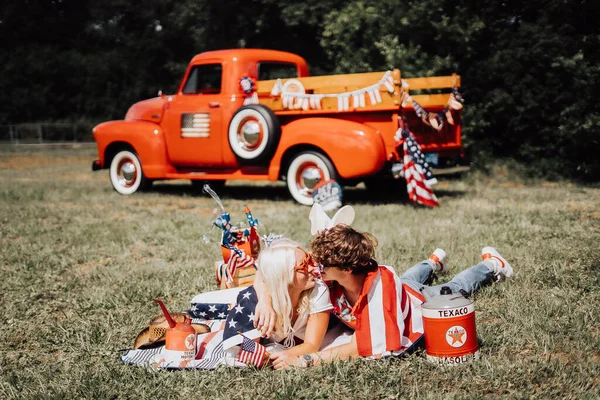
<point>252,353</point>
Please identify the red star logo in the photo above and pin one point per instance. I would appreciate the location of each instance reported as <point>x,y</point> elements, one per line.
<point>456,336</point>
<point>189,341</point>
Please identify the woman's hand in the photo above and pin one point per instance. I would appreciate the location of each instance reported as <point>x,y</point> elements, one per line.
<point>282,360</point>
<point>264,315</point>
<point>264,318</point>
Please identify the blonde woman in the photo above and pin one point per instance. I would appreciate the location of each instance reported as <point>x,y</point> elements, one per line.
<point>300,299</point>
<point>288,275</point>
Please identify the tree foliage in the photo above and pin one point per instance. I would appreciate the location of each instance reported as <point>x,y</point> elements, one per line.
<point>529,69</point>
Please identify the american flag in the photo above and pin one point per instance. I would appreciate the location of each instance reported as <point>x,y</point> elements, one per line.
<point>195,125</point>
<point>213,348</point>
<point>241,318</point>
<point>239,328</point>
<point>389,319</point>
<point>238,259</point>
<point>419,177</point>
<point>252,353</point>
<point>209,311</point>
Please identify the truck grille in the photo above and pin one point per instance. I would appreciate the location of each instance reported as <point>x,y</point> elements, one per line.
<point>195,125</point>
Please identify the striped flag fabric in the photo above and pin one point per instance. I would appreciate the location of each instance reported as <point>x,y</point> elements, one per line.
<point>252,353</point>
<point>238,259</point>
<point>417,173</point>
<point>389,317</point>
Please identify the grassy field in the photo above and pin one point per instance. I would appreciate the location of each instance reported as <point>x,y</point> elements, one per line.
<point>80,265</point>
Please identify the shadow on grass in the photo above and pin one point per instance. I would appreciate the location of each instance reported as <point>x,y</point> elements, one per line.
<point>279,193</point>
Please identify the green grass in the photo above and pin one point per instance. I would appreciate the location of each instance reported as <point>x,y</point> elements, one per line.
<point>80,265</point>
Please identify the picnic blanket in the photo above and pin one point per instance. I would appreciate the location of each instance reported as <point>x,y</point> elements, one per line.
<point>220,345</point>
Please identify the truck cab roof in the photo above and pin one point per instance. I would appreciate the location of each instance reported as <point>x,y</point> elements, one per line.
<point>250,55</point>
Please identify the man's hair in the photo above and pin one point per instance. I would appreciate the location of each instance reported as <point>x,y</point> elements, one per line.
<point>343,247</point>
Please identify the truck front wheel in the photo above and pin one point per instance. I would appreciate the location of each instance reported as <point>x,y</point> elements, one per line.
<point>126,175</point>
<point>306,171</point>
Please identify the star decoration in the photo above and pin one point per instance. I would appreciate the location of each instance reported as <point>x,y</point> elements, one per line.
<point>251,317</point>
<point>238,309</point>
<point>456,336</point>
<point>212,308</point>
<point>232,324</point>
<point>190,342</point>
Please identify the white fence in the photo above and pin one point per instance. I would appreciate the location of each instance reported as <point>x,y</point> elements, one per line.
<point>46,132</point>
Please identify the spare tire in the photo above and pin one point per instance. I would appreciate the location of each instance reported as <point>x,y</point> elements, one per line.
<point>254,133</point>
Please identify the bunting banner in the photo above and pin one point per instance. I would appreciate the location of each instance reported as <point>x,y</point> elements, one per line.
<point>435,120</point>
<point>297,99</point>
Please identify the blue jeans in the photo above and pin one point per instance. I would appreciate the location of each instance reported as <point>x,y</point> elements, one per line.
<point>468,280</point>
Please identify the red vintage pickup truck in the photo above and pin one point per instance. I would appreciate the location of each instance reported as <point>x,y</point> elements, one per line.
<point>254,114</point>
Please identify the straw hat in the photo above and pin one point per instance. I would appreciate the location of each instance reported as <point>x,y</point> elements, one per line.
<point>156,332</point>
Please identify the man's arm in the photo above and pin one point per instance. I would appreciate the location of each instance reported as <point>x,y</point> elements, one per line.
<point>342,353</point>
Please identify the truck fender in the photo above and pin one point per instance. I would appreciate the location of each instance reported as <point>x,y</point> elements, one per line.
<point>354,149</point>
<point>145,138</point>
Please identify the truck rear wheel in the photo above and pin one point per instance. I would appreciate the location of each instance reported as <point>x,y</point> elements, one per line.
<point>126,175</point>
<point>306,171</point>
<point>254,133</point>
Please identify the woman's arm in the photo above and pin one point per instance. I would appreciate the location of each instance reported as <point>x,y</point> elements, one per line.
<point>341,353</point>
<point>315,332</point>
<point>264,319</point>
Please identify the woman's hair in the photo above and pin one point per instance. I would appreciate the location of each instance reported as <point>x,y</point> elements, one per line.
<point>276,264</point>
<point>343,247</point>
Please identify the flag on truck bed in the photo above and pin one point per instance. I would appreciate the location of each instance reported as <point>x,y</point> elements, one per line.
<point>419,177</point>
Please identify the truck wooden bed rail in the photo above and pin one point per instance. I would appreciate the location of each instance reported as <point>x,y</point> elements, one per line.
<point>347,85</point>
<point>431,83</point>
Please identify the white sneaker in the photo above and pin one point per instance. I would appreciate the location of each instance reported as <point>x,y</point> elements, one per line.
<point>501,267</point>
<point>440,259</point>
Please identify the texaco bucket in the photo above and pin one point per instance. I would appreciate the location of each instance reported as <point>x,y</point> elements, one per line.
<point>449,325</point>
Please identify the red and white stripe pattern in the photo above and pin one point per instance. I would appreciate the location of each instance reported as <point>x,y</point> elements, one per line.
<point>419,178</point>
<point>388,313</point>
<point>238,259</point>
<point>252,353</point>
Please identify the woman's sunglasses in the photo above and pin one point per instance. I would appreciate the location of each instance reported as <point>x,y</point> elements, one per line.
<point>309,261</point>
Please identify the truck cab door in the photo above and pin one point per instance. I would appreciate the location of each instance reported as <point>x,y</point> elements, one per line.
<point>193,119</point>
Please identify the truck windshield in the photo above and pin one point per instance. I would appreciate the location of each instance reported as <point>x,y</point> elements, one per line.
<point>204,79</point>
<point>268,70</point>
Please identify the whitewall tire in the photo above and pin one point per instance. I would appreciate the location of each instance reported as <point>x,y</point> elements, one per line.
<point>126,175</point>
<point>307,170</point>
<point>254,133</point>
